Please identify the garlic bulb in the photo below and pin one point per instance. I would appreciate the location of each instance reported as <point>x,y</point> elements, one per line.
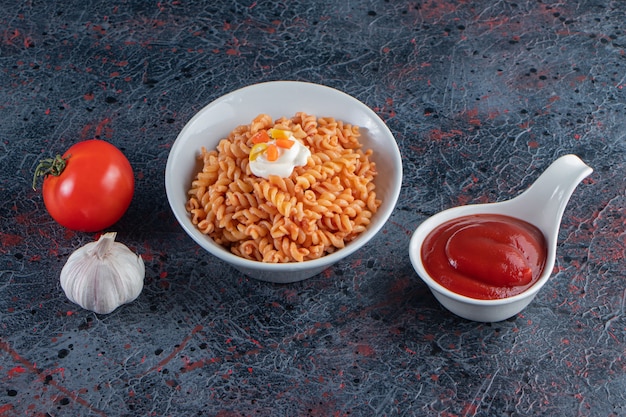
<point>103,275</point>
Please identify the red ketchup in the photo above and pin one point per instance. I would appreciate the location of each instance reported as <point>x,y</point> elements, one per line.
<point>485,256</point>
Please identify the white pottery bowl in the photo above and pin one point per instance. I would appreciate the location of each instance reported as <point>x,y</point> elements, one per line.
<point>281,98</point>
<point>542,205</point>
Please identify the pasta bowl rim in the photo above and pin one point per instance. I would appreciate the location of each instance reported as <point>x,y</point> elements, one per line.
<point>226,110</point>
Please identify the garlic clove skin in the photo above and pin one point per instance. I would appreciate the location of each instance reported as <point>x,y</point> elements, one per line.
<point>103,275</point>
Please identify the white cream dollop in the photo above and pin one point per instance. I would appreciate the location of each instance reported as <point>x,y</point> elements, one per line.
<point>287,160</point>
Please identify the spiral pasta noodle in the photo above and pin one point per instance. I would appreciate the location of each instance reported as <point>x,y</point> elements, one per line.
<point>319,208</point>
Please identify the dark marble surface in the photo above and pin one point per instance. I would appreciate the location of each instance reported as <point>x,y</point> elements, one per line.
<point>481,95</point>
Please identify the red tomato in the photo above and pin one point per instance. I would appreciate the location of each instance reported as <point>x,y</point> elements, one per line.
<point>93,190</point>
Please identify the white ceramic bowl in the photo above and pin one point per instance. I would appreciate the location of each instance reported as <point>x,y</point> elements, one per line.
<point>281,98</point>
<point>542,205</point>
<point>461,305</point>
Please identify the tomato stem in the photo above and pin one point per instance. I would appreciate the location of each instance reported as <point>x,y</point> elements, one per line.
<point>49,166</point>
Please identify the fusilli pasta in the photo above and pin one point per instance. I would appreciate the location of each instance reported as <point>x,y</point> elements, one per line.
<point>315,211</point>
